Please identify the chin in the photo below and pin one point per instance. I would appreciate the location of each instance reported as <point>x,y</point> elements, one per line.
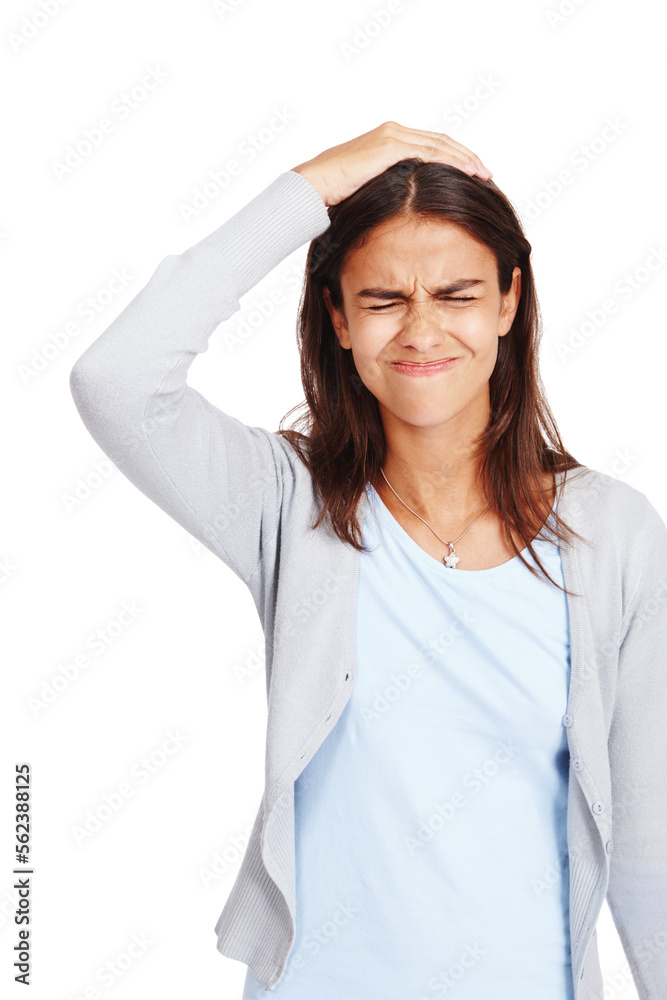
<point>420,417</point>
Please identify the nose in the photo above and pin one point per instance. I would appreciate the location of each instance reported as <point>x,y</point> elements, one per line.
<point>421,326</point>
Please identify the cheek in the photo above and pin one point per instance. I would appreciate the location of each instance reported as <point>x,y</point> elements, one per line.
<point>371,340</point>
<point>478,332</point>
<point>371,371</point>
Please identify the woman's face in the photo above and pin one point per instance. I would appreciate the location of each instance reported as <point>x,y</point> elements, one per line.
<point>402,296</point>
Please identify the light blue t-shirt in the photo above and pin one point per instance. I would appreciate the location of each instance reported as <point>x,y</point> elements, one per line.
<point>431,846</point>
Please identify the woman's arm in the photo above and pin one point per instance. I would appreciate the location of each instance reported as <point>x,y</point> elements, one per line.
<point>637,890</point>
<point>221,479</point>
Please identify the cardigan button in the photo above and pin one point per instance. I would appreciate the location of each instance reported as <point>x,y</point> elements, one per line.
<point>567,720</point>
<point>578,764</point>
<point>599,807</point>
<point>609,846</point>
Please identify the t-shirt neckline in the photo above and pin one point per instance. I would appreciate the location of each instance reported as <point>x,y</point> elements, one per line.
<point>418,552</point>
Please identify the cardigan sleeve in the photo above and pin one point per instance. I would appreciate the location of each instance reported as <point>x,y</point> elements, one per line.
<point>220,478</point>
<point>637,889</point>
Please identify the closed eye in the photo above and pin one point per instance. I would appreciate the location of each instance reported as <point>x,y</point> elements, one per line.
<point>443,298</point>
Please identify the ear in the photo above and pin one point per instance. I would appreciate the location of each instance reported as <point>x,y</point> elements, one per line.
<point>338,320</point>
<point>510,304</point>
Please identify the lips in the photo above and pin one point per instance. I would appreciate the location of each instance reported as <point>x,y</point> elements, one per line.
<point>420,364</point>
<point>423,368</point>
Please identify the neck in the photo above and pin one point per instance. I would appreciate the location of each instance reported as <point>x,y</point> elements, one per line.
<point>430,482</point>
<point>430,489</point>
<point>435,470</point>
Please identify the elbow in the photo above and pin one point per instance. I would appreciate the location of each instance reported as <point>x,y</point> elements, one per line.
<point>84,386</point>
<point>100,400</point>
<point>79,382</point>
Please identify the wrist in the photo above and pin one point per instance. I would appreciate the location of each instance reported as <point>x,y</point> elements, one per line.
<point>315,179</point>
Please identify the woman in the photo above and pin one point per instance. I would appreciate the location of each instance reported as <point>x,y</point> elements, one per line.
<point>465,627</point>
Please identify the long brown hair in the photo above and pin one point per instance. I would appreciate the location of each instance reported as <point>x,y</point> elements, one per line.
<point>344,445</point>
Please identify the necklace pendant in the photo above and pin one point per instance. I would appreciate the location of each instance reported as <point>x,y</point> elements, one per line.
<point>451,560</point>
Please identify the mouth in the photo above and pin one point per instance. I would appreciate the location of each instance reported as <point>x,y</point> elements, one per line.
<point>424,368</point>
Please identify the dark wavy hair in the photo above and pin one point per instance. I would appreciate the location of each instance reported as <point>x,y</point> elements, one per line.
<point>344,445</point>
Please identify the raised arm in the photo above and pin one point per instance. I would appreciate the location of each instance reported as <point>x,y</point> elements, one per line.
<point>221,479</point>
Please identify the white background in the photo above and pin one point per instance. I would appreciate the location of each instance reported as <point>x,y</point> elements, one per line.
<point>69,564</point>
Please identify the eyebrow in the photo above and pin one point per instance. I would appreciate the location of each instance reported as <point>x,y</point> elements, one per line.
<point>388,293</point>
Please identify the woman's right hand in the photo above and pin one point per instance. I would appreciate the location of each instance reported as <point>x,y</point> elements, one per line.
<point>337,172</point>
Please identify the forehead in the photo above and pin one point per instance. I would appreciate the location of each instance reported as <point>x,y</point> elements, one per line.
<point>418,248</point>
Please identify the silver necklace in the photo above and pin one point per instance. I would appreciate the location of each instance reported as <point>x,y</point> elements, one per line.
<point>449,560</point>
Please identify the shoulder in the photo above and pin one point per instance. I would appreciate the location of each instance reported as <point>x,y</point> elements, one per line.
<point>613,509</point>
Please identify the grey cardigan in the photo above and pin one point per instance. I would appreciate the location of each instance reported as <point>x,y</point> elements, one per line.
<point>242,491</point>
